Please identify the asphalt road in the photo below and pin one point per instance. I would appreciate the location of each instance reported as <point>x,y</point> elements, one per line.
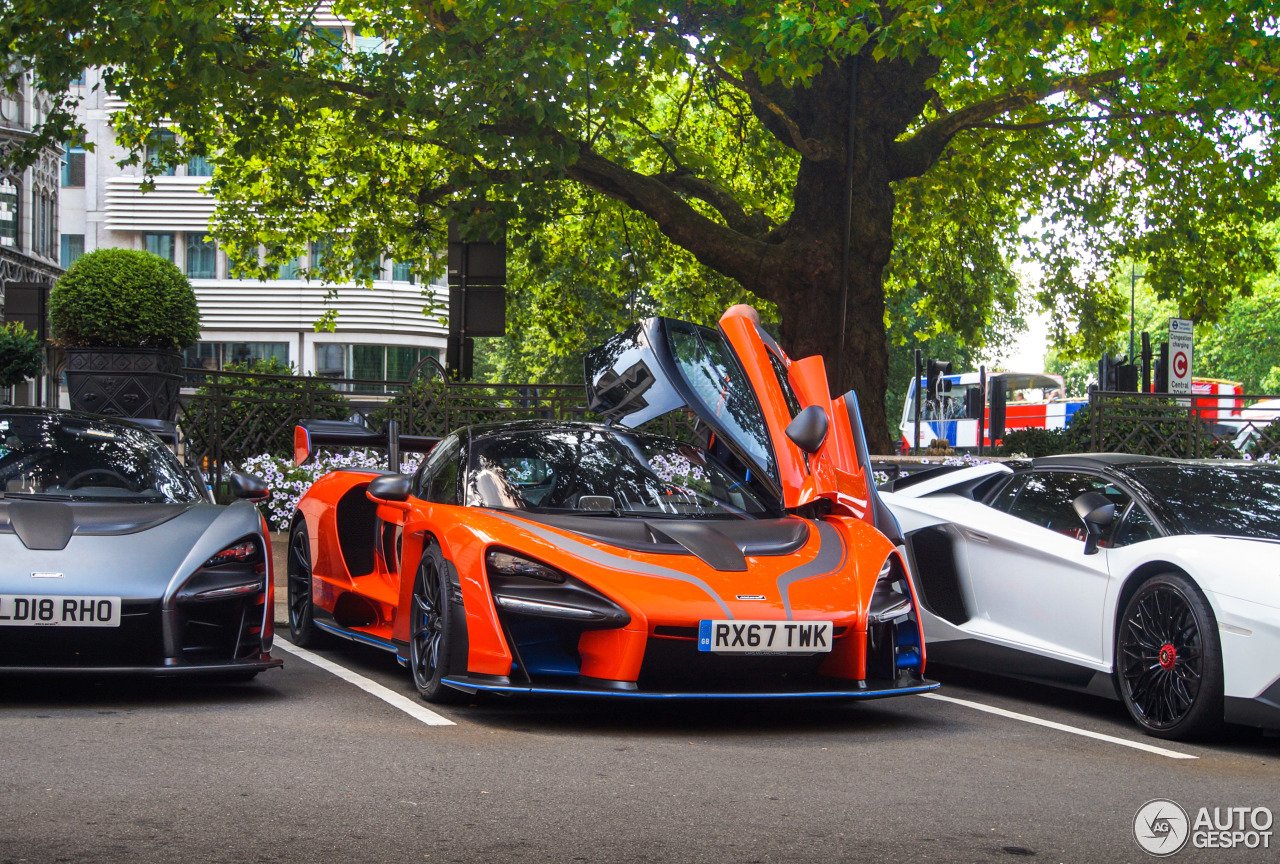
<point>301,765</point>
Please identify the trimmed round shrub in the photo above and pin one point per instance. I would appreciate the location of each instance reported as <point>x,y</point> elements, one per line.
<point>21,354</point>
<point>123,298</point>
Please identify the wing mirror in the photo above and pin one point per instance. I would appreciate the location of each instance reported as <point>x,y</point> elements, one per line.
<point>1097,513</point>
<point>248,487</point>
<point>809,429</point>
<point>389,488</point>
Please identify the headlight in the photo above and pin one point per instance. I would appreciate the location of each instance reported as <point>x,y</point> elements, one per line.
<point>509,564</point>
<point>237,553</point>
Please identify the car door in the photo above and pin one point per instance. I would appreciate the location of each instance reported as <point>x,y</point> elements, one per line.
<point>1030,581</point>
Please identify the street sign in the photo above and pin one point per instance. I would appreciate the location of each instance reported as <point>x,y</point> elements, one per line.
<point>1181,339</point>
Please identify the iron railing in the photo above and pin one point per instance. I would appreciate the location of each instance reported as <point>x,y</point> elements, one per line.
<point>226,417</point>
<point>1187,427</point>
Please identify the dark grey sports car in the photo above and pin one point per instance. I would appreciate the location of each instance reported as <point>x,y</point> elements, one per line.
<point>115,560</point>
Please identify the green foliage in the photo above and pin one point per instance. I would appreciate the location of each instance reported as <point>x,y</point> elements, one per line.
<point>1244,345</point>
<point>1034,443</point>
<point>21,354</point>
<point>122,298</point>
<point>1130,131</point>
<point>250,414</point>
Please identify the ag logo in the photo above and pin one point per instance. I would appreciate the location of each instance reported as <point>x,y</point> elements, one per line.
<point>1161,827</point>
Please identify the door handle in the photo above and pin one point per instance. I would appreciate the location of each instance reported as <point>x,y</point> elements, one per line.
<point>977,536</point>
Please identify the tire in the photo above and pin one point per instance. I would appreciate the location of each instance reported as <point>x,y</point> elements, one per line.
<point>302,628</point>
<point>1169,659</point>
<point>431,625</point>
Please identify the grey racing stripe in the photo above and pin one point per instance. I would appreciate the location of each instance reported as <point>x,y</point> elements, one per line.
<point>830,557</point>
<point>604,559</point>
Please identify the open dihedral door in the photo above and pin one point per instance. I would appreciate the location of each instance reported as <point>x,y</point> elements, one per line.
<point>840,469</point>
<point>747,392</point>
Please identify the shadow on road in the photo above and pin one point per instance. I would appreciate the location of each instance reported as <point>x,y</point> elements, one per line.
<point>133,692</point>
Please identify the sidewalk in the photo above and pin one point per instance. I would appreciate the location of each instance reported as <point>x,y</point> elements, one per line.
<point>279,559</point>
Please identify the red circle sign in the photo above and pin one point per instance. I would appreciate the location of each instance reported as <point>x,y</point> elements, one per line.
<point>1180,364</point>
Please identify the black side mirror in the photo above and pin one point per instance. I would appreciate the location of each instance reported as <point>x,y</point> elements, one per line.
<point>248,487</point>
<point>809,429</point>
<point>389,487</point>
<point>1097,513</point>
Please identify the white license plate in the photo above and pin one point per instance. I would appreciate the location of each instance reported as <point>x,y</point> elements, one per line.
<point>765,637</point>
<point>27,610</point>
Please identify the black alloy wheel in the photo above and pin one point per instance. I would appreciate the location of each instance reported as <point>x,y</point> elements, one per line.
<point>1169,659</point>
<point>302,628</point>
<point>430,627</point>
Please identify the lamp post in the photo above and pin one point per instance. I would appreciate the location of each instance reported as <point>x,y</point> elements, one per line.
<point>1133,281</point>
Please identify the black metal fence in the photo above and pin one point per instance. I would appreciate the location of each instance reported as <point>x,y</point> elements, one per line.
<point>1188,427</point>
<point>227,417</point>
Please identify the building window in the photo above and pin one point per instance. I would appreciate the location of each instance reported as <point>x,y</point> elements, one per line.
<point>202,257</point>
<point>216,356</point>
<point>156,146</point>
<point>290,269</point>
<point>369,363</point>
<point>9,212</point>
<point>402,271</point>
<point>319,251</point>
<point>73,168</point>
<point>72,248</point>
<point>78,81</point>
<point>198,166</point>
<point>159,244</point>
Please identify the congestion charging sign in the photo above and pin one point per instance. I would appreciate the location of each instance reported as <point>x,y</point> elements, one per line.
<point>1181,337</point>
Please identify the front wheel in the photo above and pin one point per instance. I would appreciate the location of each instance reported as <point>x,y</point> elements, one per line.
<point>302,628</point>
<point>430,627</point>
<point>1169,659</point>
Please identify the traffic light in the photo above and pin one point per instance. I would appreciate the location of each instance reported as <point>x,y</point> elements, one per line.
<point>998,405</point>
<point>935,386</point>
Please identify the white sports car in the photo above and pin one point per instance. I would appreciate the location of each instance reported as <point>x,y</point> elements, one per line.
<point>1156,580</point>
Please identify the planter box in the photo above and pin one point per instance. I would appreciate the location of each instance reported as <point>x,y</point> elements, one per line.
<point>124,382</point>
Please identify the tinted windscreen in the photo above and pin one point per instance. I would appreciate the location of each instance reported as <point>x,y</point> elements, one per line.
<point>556,469</point>
<point>708,367</point>
<point>1240,501</point>
<point>50,456</point>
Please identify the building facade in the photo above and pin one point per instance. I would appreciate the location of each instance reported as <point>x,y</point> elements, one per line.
<point>381,331</point>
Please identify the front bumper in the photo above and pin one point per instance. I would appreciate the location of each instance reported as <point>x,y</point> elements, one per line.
<point>571,687</point>
<point>189,670</point>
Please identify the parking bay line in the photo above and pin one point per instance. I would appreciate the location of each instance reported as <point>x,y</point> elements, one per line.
<point>1061,727</point>
<point>373,688</point>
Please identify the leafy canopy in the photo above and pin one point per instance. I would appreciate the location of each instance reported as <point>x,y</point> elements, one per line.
<point>1142,128</point>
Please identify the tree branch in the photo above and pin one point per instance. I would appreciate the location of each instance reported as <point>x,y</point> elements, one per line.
<point>719,247</point>
<point>724,203</point>
<point>913,156</point>
<point>812,149</point>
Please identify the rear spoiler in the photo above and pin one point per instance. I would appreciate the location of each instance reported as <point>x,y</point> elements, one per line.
<point>309,435</point>
<point>162,429</point>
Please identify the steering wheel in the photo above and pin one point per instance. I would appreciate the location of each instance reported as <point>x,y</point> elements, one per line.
<point>75,482</point>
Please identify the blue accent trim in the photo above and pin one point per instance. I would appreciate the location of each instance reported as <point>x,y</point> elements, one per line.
<point>634,694</point>
<point>358,637</point>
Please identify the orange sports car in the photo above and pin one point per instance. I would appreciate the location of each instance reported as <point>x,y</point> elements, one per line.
<point>601,560</point>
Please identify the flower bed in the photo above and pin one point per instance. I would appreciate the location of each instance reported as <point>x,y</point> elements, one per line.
<point>288,482</point>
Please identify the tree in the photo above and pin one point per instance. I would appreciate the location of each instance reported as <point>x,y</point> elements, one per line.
<point>746,132</point>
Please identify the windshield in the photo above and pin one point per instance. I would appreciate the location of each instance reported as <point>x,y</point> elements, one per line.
<point>603,471</point>
<point>74,458</point>
<point>1230,500</point>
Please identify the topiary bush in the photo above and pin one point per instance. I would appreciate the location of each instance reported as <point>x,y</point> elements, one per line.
<point>21,354</point>
<point>123,298</point>
<point>1034,443</point>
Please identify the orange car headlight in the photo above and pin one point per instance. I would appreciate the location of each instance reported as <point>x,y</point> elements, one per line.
<point>506,563</point>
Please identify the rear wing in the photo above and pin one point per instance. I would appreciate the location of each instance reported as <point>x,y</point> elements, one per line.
<point>309,435</point>
<point>162,429</point>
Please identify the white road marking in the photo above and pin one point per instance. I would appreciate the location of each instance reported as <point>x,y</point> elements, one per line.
<point>1061,727</point>
<point>373,688</point>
